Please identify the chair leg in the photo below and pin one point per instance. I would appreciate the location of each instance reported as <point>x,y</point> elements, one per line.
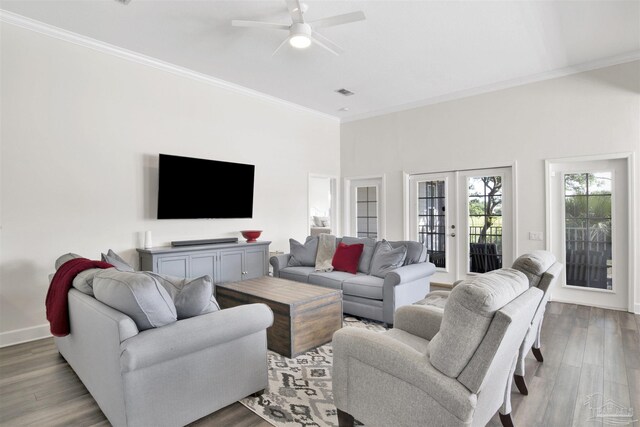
<point>257,393</point>
<point>538,354</point>
<point>344,419</point>
<point>521,384</point>
<point>506,420</point>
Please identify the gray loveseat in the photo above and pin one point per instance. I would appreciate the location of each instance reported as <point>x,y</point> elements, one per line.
<point>366,295</point>
<point>169,375</point>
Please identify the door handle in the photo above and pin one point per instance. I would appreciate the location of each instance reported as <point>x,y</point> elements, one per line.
<point>453,234</point>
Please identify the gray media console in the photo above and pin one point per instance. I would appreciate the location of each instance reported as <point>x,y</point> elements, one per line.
<point>226,262</point>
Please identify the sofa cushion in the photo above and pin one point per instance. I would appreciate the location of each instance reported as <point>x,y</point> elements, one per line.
<point>364,265</point>
<point>137,295</point>
<point>534,264</point>
<point>468,312</point>
<point>303,255</point>
<point>192,297</point>
<point>331,280</point>
<point>299,274</point>
<point>346,257</point>
<point>114,259</point>
<point>64,258</point>
<point>386,258</point>
<point>416,252</point>
<point>363,286</point>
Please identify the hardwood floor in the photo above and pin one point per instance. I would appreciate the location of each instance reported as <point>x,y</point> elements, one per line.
<point>586,350</point>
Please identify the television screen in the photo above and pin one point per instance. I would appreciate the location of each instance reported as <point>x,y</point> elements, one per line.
<point>198,188</point>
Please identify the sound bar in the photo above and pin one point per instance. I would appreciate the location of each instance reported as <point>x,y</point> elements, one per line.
<point>204,242</point>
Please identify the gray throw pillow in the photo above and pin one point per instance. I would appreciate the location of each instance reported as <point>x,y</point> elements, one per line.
<point>66,257</point>
<point>192,297</point>
<point>415,251</point>
<point>386,258</point>
<point>303,255</point>
<point>137,295</point>
<point>114,259</point>
<point>364,265</point>
<point>84,280</point>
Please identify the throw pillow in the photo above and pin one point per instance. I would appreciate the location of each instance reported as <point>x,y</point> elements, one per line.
<point>84,281</point>
<point>415,251</point>
<point>114,259</point>
<point>347,257</point>
<point>137,295</point>
<point>386,258</point>
<point>303,255</point>
<point>367,253</point>
<point>192,297</point>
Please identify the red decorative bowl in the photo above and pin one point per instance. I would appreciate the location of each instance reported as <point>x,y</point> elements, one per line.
<point>251,235</point>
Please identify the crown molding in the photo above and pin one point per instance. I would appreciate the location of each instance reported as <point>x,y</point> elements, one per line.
<point>78,39</point>
<point>548,75</point>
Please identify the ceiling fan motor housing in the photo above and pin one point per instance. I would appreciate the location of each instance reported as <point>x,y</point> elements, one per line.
<point>300,29</point>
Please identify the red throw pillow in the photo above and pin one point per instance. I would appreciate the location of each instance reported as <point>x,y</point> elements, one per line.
<point>347,257</point>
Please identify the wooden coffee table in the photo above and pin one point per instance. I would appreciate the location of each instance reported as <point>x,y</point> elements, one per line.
<point>305,316</point>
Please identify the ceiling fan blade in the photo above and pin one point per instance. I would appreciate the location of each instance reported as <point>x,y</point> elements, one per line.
<point>281,44</point>
<point>332,21</point>
<point>295,10</point>
<point>327,44</point>
<point>259,24</point>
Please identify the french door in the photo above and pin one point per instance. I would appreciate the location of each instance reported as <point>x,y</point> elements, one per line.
<point>464,218</point>
<point>589,233</point>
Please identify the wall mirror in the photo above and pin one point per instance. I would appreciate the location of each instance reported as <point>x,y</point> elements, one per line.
<point>322,213</point>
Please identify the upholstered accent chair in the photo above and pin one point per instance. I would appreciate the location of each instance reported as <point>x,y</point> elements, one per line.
<point>450,367</point>
<point>542,271</point>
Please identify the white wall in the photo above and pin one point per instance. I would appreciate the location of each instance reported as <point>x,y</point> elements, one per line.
<point>589,113</point>
<point>81,132</point>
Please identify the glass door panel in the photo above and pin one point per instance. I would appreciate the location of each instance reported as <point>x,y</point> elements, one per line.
<point>484,216</point>
<point>432,226</point>
<point>587,224</point>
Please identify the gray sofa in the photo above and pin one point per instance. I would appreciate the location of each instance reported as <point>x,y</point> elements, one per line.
<point>170,375</point>
<point>363,294</point>
<point>450,367</point>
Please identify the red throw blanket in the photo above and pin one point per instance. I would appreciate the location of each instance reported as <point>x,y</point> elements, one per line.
<point>56,302</point>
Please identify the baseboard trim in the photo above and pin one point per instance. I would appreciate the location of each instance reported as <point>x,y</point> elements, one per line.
<point>636,309</point>
<point>19,336</point>
<point>587,305</point>
<point>442,285</point>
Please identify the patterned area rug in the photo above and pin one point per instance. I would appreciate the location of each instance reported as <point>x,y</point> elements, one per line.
<point>300,392</point>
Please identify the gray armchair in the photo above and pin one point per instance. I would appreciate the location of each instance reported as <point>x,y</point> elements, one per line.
<point>448,367</point>
<point>542,271</point>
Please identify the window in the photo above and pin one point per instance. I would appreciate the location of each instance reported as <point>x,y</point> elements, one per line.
<point>367,212</point>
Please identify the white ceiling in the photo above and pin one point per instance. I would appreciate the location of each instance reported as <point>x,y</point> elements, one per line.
<point>405,53</point>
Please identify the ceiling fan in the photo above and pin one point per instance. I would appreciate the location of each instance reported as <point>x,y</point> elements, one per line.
<point>302,33</point>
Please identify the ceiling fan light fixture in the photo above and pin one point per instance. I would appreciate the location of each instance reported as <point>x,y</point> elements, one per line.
<point>300,41</point>
<point>300,35</point>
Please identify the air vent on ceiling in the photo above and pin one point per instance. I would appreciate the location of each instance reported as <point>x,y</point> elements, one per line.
<point>345,92</point>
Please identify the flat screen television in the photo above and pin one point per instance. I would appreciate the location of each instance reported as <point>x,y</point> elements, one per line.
<point>190,188</point>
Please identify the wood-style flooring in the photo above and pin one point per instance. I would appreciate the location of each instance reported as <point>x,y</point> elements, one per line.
<point>586,350</point>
